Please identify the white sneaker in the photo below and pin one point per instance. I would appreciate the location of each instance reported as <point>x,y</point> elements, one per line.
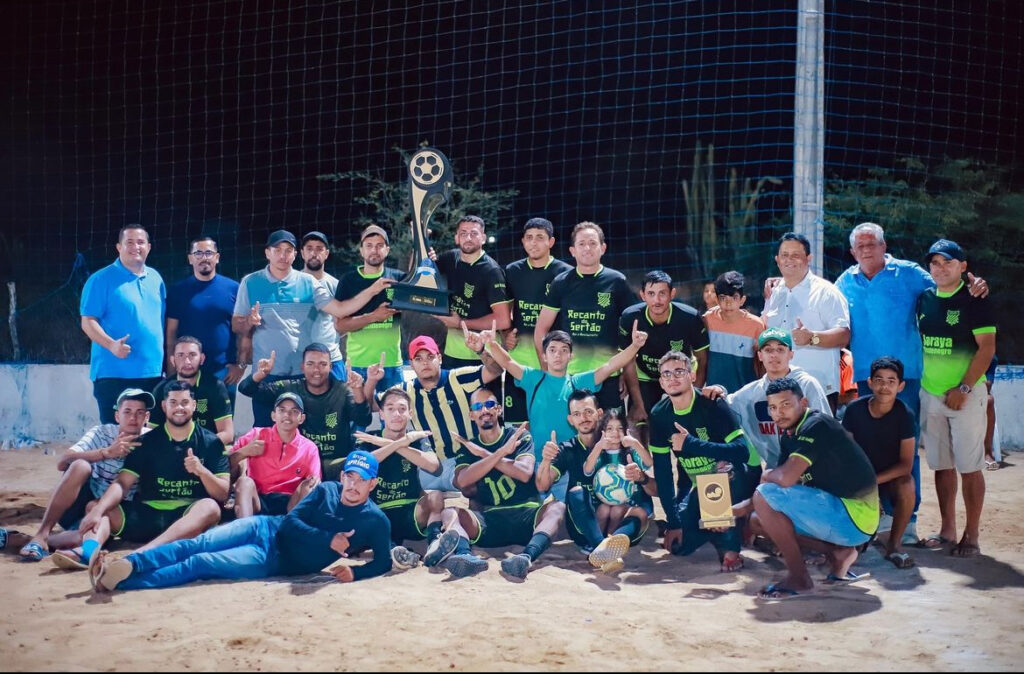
<point>404,558</point>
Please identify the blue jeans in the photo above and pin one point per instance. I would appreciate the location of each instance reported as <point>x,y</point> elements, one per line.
<point>911,395</point>
<point>241,550</point>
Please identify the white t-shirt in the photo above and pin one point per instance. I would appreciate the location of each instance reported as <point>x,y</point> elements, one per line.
<point>820,306</point>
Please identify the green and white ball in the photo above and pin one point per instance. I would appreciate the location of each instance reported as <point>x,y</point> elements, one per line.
<point>611,485</point>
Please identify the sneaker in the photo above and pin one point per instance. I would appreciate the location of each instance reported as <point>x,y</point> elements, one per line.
<point>613,566</point>
<point>464,565</point>
<point>884,523</point>
<point>404,558</point>
<point>609,550</point>
<point>442,548</point>
<point>517,566</point>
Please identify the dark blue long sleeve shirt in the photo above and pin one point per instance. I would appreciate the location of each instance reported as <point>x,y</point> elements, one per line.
<point>304,539</point>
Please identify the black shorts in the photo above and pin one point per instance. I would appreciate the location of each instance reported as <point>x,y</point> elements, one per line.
<point>142,522</point>
<point>274,504</point>
<point>404,526</point>
<point>506,525</point>
<point>650,393</point>
<point>76,511</point>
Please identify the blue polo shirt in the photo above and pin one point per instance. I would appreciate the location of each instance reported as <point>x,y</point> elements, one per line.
<point>126,304</point>
<point>883,315</point>
<point>203,310</point>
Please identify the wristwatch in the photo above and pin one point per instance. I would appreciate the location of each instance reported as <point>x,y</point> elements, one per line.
<point>965,389</point>
<point>815,339</point>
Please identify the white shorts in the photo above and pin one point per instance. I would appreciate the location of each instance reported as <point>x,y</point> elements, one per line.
<point>954,438</point>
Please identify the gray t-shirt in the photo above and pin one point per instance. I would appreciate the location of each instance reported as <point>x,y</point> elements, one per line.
<point>323,327</point>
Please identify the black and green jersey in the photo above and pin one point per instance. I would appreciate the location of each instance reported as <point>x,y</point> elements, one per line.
<point>398,478</point>
<point>527,288</point>
<point>572,454</point>
<point>496,488</point>
<point>589,306</point>
<point>683,331</point>
<point>366,345</point>
<point>715,435</point>
<point>212,402</point>
<point>159,464</point>
<point>948,323</point>
<point>475,288</point>
<point>329,415</point>
<point>838,466</point>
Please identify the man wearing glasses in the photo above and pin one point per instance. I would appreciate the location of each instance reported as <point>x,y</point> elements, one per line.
<point>201,306</point>
<point>705,437</point>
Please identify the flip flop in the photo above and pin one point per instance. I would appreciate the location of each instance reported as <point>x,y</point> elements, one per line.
<point>731,565</point>
<point>33,552</point>
<point>776,592</point>
<point>962,549</point>
<point>850,577</point>
<point>900,560</point>
<point>69,560</point>
<point>3,538</point>
<point>933,542</point>
<point>992,465</point>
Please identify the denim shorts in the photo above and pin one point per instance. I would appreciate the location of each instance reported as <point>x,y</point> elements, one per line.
<point>814,513</point>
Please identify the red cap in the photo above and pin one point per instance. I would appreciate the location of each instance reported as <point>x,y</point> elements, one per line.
<point>423,342</point>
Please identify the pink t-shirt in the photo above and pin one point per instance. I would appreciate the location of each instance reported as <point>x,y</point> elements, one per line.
<point>281,466</point>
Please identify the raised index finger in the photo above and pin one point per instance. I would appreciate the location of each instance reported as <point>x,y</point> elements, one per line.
<point>382,360</point>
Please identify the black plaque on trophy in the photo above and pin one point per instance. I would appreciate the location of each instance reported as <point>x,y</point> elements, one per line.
<point>430,185</point>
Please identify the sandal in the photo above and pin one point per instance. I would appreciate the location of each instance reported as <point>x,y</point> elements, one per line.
<point>33,552</point>
<point>731,564</point>
<point>901,560</point>
<point>70,560</point>
<point>963,549</point>
<point>776,592</point>
<point>992,465</point>
<point>933,542</point>
<point>850,577</point>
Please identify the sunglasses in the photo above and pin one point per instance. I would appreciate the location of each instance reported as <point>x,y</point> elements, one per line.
<point>486,405</point>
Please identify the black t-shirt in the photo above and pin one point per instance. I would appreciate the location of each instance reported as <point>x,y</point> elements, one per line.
<point>366,344</point>
<point>159,463</point>
<point>683,331</point>
<point>572,454</point>
<point>837,465</point>
<point>589,306</point>
<point>212,402</point>
<point>949,323</point>
<point>879,438</point>
<point>495,488</point>
<point>474,289</point>
<point>398,479</point>
<point>527,288</point>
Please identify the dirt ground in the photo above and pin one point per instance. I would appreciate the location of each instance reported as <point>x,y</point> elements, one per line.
<point>659,613</point>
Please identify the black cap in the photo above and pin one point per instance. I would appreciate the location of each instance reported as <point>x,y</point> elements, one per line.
<point>282,236</point>
<point>319,236</point>
<point>294,397</point>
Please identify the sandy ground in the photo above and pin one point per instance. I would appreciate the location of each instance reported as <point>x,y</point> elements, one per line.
<point>659,613</point>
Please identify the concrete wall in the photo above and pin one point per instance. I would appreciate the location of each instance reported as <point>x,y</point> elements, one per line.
<point>48,403</point>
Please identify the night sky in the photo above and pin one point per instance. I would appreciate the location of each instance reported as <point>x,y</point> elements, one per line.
<point>216,117</point>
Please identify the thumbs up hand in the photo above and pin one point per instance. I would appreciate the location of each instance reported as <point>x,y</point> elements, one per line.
<point>120,347</point>
<point>192,463</point>
<point>550,451</point>
<point>801,335</point>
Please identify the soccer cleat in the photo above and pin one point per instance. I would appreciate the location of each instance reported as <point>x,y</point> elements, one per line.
<point>404,558</point>
<point>517,566</point>
<point>442,547</point>
<point>609,550</point>
<point>464,565</point>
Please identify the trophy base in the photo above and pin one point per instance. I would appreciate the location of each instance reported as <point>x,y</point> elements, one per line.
<point>717,522</point>
<point>411,297</point>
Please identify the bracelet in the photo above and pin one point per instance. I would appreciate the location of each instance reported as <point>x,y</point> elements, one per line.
<point>647,478</point>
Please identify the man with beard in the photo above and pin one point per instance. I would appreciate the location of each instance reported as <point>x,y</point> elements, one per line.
<point>213,404</point>
<point>374,330</point>
<point>477,287</point>
<point>182,475</point>
<point>201,306</point>
<point>315,251</point>
<point>122,310</point>
<point>333,519</point>
<point>331,407</point>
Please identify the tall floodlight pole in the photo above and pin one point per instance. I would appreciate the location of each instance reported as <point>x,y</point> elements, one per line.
<point>809,128</point>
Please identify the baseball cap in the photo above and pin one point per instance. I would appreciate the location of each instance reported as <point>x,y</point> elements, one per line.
<point>136,394</point>
<point>947,249</point>
<point>423,342</point>
<point>375,230</point>
<point>294,397</point>
<point>281,236</point>
<point>775,335</point>
<point>319,236</point>
<point>363,463</point>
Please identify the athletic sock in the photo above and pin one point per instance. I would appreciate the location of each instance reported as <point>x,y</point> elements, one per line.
<point>582,516</point>
<point>89,546</point>
<point>630,526</point>
<point>463,548</point>
<point>433,531</point>
<point>537,545</point>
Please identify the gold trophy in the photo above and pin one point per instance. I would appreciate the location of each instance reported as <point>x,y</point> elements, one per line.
<point>430,185</point>
<point>715,501</point>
